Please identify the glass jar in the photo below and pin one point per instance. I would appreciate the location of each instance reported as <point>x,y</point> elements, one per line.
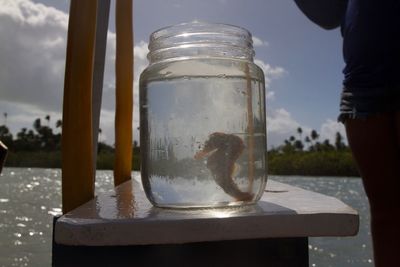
<point>202,118</point>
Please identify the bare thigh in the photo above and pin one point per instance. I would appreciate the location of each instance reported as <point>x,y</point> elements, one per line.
<point>375,145</point>
<point>398,129</point>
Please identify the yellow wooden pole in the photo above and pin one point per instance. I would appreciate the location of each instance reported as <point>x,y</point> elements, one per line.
<point>77,152</point>
<point>124,92</point>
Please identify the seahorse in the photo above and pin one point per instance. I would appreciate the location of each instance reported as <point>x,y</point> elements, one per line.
<point>222,150</point>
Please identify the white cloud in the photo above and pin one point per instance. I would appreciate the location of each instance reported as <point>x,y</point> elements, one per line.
<point>270,95</point>
<point>108,103</point>
<point>258,42</point>
<point>107,126</point>
<point>281,125</point>
<point>281,121</point>
<point>141,51</point>
<point>31,83</point>
<point>33,45</point>
<point>329,129</point>
<point>32,52</point>
<point>270,73</point>
<point>23,115</point>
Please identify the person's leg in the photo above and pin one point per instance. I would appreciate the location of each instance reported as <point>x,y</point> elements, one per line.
<point>375,146</point>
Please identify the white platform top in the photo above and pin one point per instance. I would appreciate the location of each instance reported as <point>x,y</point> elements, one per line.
<point>118,218</point>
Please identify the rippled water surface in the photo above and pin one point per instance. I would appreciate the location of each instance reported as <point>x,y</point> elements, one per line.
<point>29,198</point>
<point>335,251</point>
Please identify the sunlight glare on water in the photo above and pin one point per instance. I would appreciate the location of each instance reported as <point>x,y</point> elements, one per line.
<point>29,198</point>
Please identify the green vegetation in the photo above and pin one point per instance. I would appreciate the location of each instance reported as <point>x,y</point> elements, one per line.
<point>40,147</point>
<point>319,159</point>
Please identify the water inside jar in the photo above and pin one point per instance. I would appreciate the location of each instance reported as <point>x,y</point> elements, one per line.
<point>200,152</point>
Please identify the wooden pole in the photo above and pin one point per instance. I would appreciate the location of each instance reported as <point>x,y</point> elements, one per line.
<point>124,92</point>
<point>77,136</point>
<point>103,11</point>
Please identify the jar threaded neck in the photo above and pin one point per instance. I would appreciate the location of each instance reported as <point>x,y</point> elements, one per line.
<point>200,40</point>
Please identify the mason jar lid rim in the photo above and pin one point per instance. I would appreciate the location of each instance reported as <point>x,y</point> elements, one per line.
<point>199,38</point>
<point>201,28</point>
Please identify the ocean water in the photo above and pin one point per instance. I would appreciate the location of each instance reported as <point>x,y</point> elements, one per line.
<point>29,198</point>
<point>338,251</point>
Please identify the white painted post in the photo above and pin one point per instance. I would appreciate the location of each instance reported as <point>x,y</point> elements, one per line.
<point>103,11</point>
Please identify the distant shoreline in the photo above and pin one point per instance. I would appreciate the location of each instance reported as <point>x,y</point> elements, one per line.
<point>313,163</point>
<point>304,155</point>
<point>317,163</point>
<point>52,159</point>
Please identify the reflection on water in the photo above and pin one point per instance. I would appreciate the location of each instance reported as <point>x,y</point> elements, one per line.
<point>335,251</point>
<point>29,198</point>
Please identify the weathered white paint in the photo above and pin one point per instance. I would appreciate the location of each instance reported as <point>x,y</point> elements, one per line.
<point>103,12</point>
<point>117,218</point>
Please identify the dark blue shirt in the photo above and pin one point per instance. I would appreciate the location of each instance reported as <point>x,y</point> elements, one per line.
<point>371,47</point>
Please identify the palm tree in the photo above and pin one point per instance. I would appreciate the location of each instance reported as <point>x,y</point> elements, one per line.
<point>326,145</point>
<point>339,141</point>
<point>47,119</point>
<point>287,147</point>
<point>299,131</point>
<point>307,140</point>
<point>5,118</point>
<point>100,131</point>
<point>59,124</point>
<point>298,145</point>
<point>37,125</point>
<point>313,139</point>
<point>314,135</point>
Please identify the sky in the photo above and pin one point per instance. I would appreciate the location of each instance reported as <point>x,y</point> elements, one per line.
<point>302,63</point>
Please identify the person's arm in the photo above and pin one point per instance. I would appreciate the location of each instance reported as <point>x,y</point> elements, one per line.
<point>328,14</point>
<point>3,154</point>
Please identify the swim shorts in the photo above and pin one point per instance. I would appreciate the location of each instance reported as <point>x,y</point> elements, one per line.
<point>359,103</point>
<point>371,51</point>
